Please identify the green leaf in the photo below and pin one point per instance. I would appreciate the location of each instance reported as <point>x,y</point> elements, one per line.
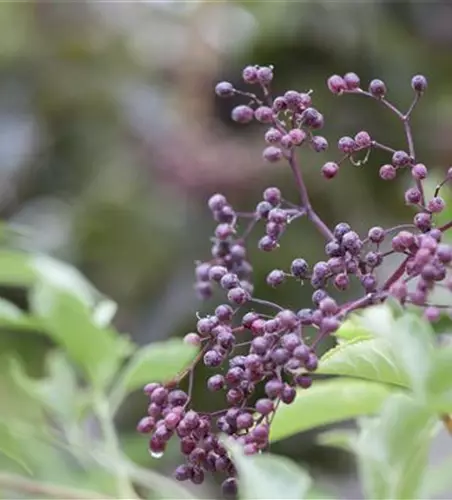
<point>157,362</point>
<point>393,448</point>
<point>11,447</point>
<point>16,268</point>
<point>328,401</point>
<point>13,317</point>
<point>439,382</point>
<point>352,329</point>
<point>338,438</point>
<point>58,392</point>
<point>268,476</point>
<point>98,351</point>
<point>370,359</point>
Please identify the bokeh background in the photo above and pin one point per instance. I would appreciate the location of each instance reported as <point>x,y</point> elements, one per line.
<point>111,141</point>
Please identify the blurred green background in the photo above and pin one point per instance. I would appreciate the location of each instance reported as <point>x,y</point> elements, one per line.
<point>111,140</point>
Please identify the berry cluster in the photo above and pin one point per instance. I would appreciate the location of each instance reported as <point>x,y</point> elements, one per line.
<point>250,348</point>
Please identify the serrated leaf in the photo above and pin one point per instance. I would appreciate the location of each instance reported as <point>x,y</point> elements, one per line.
<point>156,362</point>
<point>268,476</point>
<point>97,351</point>
<point>393,448</point>
<point>371,359</point>
<point>328,401</point>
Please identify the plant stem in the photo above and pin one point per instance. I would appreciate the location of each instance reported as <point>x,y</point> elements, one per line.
<point>32,488</point>
<point>305,202</point>
<point>105,417</point>
<point>398,273</point>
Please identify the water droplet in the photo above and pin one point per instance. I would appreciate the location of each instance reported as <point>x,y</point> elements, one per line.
<point>156,454</point>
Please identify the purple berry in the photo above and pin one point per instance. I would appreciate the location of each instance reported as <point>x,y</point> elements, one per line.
<point>273,136</point>
<point>363,140</point>
<point>346,145</point>
<point>352,81</point>
<point>297,136</point>
<point>412,196</point>
<point>224,89</point>
<point>330,170</point>
<point>419,171</point>
<point>264,114</point>
<point>265,75</point>
<point>212,359</point>
<point>312,118</point>
<point>242,114</point>
<point>279,104</point>
<point>299,268</point>
<point>388,172</point>
<point>336,84</point>
<point>215,383</point>
<point>275,277</point>
<point>264,406</point>
<point>249,74</point>
<point>377,88</point>
<point>272,195</point>
<point>272,154</point>
<point>436,205</point>
<point>216,202</point>
<point>288,394</point>
<point>400,159</point>
<point>238,296</point>
<point>419,83</point>
<point>146,425</point>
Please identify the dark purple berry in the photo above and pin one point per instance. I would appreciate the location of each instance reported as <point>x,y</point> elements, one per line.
<point>336,84</point>
<point>419,171</point>
<point>304,381</point>
<point>229,281</point>
<point>346,145</point>
<point>279,104</point>
<point>264,406</point>
<point>229,487</point>
<point>423,221</point>
<point>330,169</point>
<point>400,159</point>
<point>299,268</point>
<point>182,473</point>
<point>224,312</point>
<point>215,383</point>
<point>150,388</point>
<point>340,230</point>
<point>377,88</point>
<point>263,208</point>
<point>376,234</point>
<point>224,89</point>
<point>267,244</point>
<point>275,277</point>
<point>419,83</point>
<point>159,396</point>
<point>238,296</point>
<point>436,205</point>
<point>352,81</point>
<point>412,196</point>
<point>288,394</point>
<point>312,118</point>
<point>212,359</point>
<point>146,425</point>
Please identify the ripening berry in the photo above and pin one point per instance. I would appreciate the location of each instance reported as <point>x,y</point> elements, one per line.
<point>159,396</point>
<point>192,339</point>
<point>224,312</point>
<point>206,325</point>
<point>265,75</point>
<point>432,314</point>
<point>369,283</point>
<point>352,81</point>
<point>290,341</point>
<point>215,383</point>
<point>346,145</point>
<point>275,277</point>
<point>272,195</point>
<point>328,306</point>
<point>238,296</point>
<point>351,242</point>
<point>216,202</point>
<point>212,359</point>
<point>263,208</point>
<point>320,270</point>
<point>249,74</point>
<point>377,88</point>
<point>319,144</point>
<point>146,425</point>
<point>182,473</point>
<point>150,388</point>
<point>444,253</point>
<point>297,136</point>
<point>273,136</point>
<point>341,281</point>
<point>330,169</point>
<point>419,83</point>
<point>336,84</point>
<point>373,259</point>
<point>388,172</point>
<point>334,249</point>
<point>224,231</point>
<point>229,487</point>
<point>279,104</point>
<point>244,421</point>
<point>264,406</point>
<point>264,114</point>
<point>436,234</point>
<point>242,114</point>
<point>224,89</point>
<point>267,244</point>
<point>259,345</point>
<point>305,316</point>
<point>229,280</point>
<point>312,362</point>
<point>363,139</point>
<point>412,196</point>
<point>156,446</point>
<point>312,118</point>
<point>225,214</point>
<point>292,99</point>
<point>419,171</point>
<point>277,215</point>
<point>288,394</point>
<point>303,380</point>
<point>400,159</point>
<point>258,326</point>
<point>272,154</point>
<point>217,272</point>
<point>376,234</point>
<point>423,221</point>
<point>274,229</point>
<point>238,253</point>
<point>286,141</point>
<point>436,205</point>
<point>299,268</point>
<point>340,230</point>
<point>318,296</point>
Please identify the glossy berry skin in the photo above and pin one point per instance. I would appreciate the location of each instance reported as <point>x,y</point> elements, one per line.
<point>377,88</point>
<point>352,81</point>
<point>224,89</point>
<point>336,84</point>
<point>419,83</point>
<point>242,114</point>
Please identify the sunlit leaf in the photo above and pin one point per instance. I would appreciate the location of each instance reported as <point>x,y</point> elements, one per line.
<point>328,401</point>
<point>268,476</point>
<point>366,358</point>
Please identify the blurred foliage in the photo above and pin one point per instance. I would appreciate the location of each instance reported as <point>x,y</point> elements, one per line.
<point>111,139</point>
